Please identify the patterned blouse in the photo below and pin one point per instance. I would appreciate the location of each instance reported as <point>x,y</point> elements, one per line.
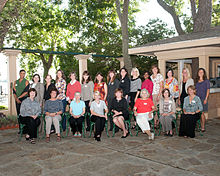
<point>172,86</point>
<point>156,81</point>
<point>61,87</point>
<point>100,87</point>
<point>195,104</point>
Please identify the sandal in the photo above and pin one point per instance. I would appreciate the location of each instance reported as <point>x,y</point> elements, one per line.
<point>58,138</point>
<point>32,141</point>
<point>47,139</point>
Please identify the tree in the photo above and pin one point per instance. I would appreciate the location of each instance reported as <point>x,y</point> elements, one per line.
<point>9,14</point>
<point>40,27</point>
<point>201,11</point>
<point>123,18</point>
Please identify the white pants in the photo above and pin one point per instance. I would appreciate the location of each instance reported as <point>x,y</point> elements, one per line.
<point>142,121</point>
<point>53,120</point>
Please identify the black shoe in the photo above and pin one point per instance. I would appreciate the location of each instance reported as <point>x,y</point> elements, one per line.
<point>19,132</point>
<point>98,139</point>
<point>166,134</point>
<point>126,135</point>
<point>171,135</point>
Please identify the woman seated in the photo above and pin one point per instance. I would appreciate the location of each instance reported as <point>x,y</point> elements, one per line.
<point>30,110</point>
<point>99,112</point>
<point>167,112</point>
<point>53,109</point>
<point>77,110</point>
<point>143,109</point>
<point>119,107</point>
<point>192,106</point>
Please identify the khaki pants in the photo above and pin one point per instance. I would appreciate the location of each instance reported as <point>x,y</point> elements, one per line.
<point>155,104</point>
<point>53,120</point>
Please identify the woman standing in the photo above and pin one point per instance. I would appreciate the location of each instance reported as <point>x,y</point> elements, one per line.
<point>29,112</point>
<point>184,84</point>
<point>147,84</point>
<point>203,90</point>
<point>39,87</point>
<point>135,86</point>
<point>192,107</point>
<point>143,109</point>
<point>119,107</point>
<point>73,87</point>
<point>47,87</point>
<point>99,112</point>
<point>124,82</point>
<point>157,80</point>
<point>87,87</point>
<point>113,84</point>
<point>100,86</point>
<point>172,84</point>
<point>61,87</point>
<point>167,112</point>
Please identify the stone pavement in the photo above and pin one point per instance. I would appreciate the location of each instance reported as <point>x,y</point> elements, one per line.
<point>166,156</point>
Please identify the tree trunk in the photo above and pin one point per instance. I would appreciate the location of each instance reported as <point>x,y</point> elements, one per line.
<point>2,4</point>
<point>123,17</point>
<point>203,18</point>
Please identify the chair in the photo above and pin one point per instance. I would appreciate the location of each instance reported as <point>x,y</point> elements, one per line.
<point>60,123</point>
<point>92,124</point>
<point>199,124</point>
<point>22,126</point>
<point>126,121</point>
<point>151,122</point>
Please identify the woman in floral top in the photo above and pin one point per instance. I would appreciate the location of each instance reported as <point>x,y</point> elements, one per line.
<point>157,80</point>
<point>172,84</point>
<point>100,86</point>
<point>61,87</point>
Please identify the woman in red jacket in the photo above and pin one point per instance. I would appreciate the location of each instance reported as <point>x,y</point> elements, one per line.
<point>73,87</point>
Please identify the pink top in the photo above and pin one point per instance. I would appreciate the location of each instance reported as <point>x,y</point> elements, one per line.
<point>148,84</point>
<point>72,89</point>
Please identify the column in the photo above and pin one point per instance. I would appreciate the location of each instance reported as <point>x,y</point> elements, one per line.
<point>162,66</point>
<point>180,69</point>
<point>82,64</point>
<point>122,62</point>
<point>204,63</point>
<point>12,76</point>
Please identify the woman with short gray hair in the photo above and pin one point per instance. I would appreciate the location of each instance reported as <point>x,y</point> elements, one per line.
<point>143,110</point>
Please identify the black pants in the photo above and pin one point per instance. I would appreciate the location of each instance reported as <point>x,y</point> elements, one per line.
<point>76,124</point>
<point>99,124</point>
<point>31,125</point>
<point>88,111</point>
<point>188,124</point>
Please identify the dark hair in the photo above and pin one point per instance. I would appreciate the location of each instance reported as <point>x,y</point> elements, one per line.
<point>170,69</point>
<point>54,89</point>
<point>32,90</point>
<point>63,76</point>
<point>155,66</point>
<point>204,76</point>
<point>36,75</point>
<point>108,77</point>
<point>86,73</point>
<point>123,68</point>
<point>22,70</point>
<point>73,73</point>
<point>96,80</point>
<point>148,74</point>
<point>49,76</point>
<point>119,90</point>
<point>164,90</point>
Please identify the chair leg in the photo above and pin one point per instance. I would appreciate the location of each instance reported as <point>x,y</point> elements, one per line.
<point>83,128</point>
<point>113,130</point>
<point>160,127</point>
<point>200,131</point>
<point>21,131</point>
<point>91,126</point>
<point>137,129</point>
<point>129,128</point>
<point>177,133</point>
<point>106,128</point>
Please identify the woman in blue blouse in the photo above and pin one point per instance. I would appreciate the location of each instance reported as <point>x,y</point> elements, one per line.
<point>192,106</point>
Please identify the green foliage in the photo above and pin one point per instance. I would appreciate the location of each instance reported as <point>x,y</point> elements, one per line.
<point>216,13</point>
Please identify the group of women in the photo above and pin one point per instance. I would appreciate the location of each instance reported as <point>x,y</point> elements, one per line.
<point>116,97</point>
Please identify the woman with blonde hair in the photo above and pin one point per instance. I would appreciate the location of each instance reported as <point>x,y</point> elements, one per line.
<point>143,110</point>
<point>185,82</point>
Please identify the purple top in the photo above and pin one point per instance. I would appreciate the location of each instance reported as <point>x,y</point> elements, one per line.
<point>201,89</point>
